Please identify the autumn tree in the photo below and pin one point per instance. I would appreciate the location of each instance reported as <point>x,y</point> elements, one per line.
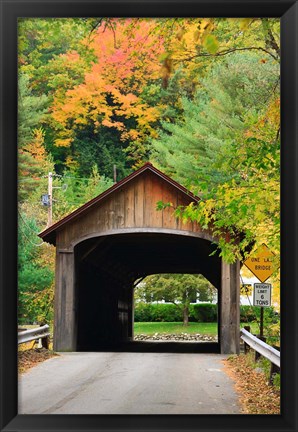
<point>112,99</point>
<point>198,96</point>
<point>196,43</point>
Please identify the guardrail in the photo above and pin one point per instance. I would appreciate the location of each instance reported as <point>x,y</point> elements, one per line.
<point>265,350</point>
<point>34,334</point>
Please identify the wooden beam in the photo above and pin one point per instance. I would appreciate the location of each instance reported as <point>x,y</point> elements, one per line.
<point>230,308</point>
<point>65,322</point>
<point>91,248</point>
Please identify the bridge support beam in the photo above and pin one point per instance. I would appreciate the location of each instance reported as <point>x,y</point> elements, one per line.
<point>131,314</point>
<point>65,326</point>
<point>229,308</point>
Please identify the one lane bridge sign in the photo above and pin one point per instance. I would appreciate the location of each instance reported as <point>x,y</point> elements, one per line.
<point>262,295</point>
<point>260,264</point>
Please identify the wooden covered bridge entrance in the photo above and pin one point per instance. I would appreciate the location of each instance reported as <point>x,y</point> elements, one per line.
<point>103,247</point>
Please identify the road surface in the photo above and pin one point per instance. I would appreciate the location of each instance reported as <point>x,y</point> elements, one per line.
<point>128,383</point>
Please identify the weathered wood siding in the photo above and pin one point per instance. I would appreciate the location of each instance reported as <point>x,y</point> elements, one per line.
<point>94,300</point>
<point>65,303</point>
<point>229,308</point>
<point>131,207</point>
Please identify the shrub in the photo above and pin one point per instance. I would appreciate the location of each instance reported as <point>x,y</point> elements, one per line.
<point>202,312</point>
<point>205,312</point>
<point>252,313</point>
<point>142,312</point>
<point>166,312</point>
<point>154,312</point>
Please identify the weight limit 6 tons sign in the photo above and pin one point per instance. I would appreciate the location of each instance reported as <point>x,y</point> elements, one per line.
<point>262,294</point>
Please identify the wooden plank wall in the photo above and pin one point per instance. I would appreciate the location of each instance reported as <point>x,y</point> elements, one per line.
<point>131,206</point>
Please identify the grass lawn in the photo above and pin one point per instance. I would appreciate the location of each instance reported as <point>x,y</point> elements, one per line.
<point>175,327</point>
<point>149,328</point>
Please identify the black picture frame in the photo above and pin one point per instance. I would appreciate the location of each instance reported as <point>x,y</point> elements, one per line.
<point>11,10</point>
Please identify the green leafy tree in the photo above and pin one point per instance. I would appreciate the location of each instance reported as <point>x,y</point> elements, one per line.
<point>71,191</point>
<point>179,289</point>
<point>35,275</point>
<point>32,158</point>
<point>226,149</point>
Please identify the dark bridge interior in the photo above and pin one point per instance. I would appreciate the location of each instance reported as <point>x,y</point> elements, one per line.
<point>107,268</point>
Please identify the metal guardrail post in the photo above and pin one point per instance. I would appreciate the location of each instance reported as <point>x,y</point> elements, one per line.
<point>45,342</point>
<point>273,369</point>
<point>257,354</point>
<point>246,346</point>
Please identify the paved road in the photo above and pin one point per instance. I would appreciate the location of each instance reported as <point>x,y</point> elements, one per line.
<point>128,383</point>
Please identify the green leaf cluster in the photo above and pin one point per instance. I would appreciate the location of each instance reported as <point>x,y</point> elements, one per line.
<point>34,304</point>
<point>226,150</point>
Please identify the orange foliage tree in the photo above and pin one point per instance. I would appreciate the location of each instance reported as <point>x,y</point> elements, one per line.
<point>112,94</point>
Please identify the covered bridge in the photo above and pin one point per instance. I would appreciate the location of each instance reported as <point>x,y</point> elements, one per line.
<point>105,246</point>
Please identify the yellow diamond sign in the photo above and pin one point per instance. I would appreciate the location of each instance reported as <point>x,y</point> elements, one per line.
<point>260,263</point>
<point>246,289</point>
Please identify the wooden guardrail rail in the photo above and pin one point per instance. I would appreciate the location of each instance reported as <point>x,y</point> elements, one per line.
<point>265,350</point>
<point>33,334</point>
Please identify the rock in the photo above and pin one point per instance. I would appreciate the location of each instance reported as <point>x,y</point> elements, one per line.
<point>176,337</point>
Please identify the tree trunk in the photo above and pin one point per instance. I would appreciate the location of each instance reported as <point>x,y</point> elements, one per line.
<point>185,315</point>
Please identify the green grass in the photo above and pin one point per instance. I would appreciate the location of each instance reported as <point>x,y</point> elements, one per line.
<point>254,328</point>
<point>150,328</point>
<point>175,327</point>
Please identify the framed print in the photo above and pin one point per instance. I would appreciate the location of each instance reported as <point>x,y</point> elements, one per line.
<point>69,113</point>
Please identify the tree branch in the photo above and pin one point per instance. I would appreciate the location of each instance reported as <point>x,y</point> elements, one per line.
<point>269,38</point>
<point>230,51</point>
<point>172,301</point>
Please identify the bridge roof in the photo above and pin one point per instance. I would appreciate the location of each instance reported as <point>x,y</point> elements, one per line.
<point>49,234</point>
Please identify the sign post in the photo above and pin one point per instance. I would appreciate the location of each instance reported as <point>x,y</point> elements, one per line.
<point>262,298</point>
<point>262,322</point>
<point>261,266</point>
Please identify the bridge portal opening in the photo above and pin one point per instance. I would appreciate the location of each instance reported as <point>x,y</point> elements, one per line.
<point>175,307</point>
<point>107,268</point>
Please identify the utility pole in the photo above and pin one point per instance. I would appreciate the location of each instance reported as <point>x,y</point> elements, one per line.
<point>115,174</point>
<point>47,199</point>
<point>50,192</point>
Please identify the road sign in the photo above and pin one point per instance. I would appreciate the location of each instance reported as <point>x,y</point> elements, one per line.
<point>262,295</point>
<point>246,289</point>
<point>260,263</point>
